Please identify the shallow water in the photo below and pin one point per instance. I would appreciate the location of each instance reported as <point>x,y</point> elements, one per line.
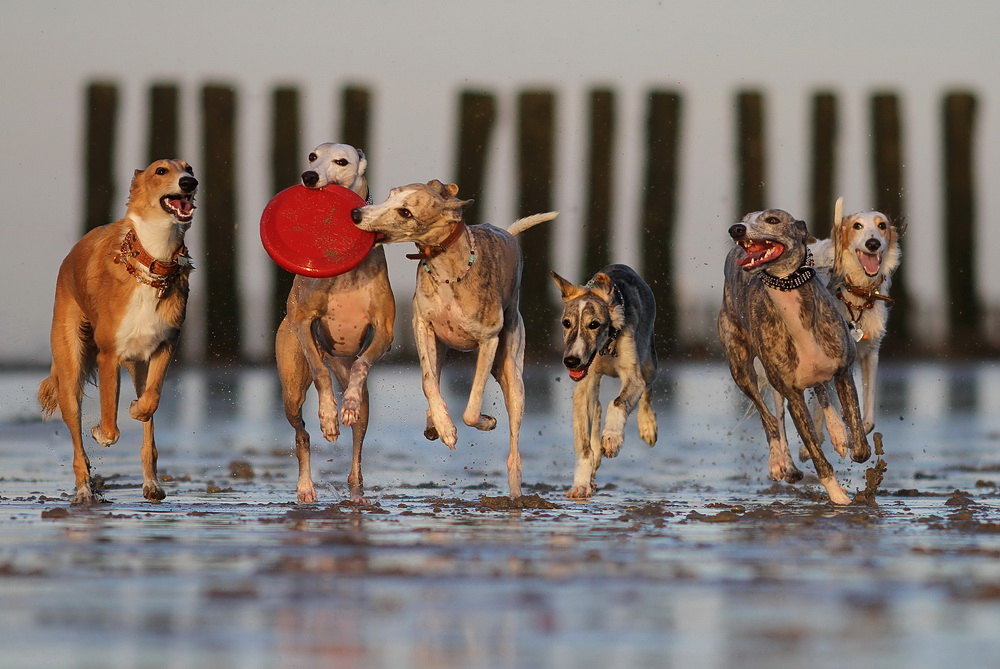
<point>687,556</point>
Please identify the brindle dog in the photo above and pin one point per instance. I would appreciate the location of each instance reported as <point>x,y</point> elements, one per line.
<point>775,311</point>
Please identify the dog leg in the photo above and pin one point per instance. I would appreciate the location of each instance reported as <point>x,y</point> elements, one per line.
<point>848,394</point>
<point>147,377</point>
<point>869,383</point>
<point>803,423</point>
<point>431,355</point>
<point>68,377</point>
<point>357,383</point>
<point>647,417</point>
<point>359,427</point>
<point>321,379</point>
<point>106,432</point>
<point>509,373</point>
<point>586,437</point>
<point>779,458</point>
<point>293,372</point>
<point>632,388</point>
<point>484,363</point>
<point>834,424</point>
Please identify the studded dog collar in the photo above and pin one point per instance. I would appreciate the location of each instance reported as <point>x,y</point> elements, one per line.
<point>796,279</point>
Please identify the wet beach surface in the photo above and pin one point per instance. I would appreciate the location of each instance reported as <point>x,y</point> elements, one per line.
<point>687,555</point>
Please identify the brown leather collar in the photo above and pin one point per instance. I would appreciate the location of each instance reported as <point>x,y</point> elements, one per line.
<point>434,250</point>
<point>132,254</point>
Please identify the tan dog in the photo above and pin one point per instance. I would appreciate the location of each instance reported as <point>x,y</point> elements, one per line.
<point>343,321</point>
<point>120,301</point>
<point>467,297</point>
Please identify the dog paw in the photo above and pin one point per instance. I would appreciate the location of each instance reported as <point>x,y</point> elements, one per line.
<point>861,452</point>
<point>648,433</point>
<point>329,425</point>
<point>484,422</point>
<point>836,492</point>
<point>103,438</point>
<point>869,425</point>
<point>349,415</point>
<point>84,497</point>
<point>152,491</point>
<point>804,454</point>
<point>611,444</point>
<point>784,470</point>
<point>579,492</point>
<point>306,494</point>
<point>137,412</point>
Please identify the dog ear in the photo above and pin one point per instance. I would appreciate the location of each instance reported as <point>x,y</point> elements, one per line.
<point>602,286</point>
<point>446,191</point>
<point>900,226</point>
<point>568,289</point>
<point>362,162</point>
<point>803,230</point>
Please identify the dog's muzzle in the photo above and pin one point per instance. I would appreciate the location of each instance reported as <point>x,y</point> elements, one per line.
<point>310,178</point>
<point>737,231</point>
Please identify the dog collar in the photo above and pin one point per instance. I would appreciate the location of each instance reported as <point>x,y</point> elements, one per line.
<point>434,250</point>
<point>133,255</point>
<point>796,279</point>
<point>457,279</point>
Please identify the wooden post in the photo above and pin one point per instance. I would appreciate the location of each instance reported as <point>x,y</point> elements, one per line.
<point>964,307</point>
<point>98,168</point>
<point>597,216</point>
<point>750,153</point>
<point>888,173</point>
<point>659,212</point>
<point>287,163</point>
<point>824,164</point>
<point>536,172</point>
<point>218,219</point>
<point>356,121</point>
<point>477,118</point>
<point>164,123</point>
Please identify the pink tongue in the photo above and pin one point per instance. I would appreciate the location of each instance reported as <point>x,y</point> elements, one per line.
<point>577,374</point>
<point>870,262</point>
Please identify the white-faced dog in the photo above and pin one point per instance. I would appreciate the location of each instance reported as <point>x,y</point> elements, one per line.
<point>467,297</point>
<point>342,322</point>
<point>607,331</point>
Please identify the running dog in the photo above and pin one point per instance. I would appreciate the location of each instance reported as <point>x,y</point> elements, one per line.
<point>121,295</point>
<point>607,331</point>
<point>857,263</point>
<point>467,297</point>
<point>775,311</point>
<point>343,322</point>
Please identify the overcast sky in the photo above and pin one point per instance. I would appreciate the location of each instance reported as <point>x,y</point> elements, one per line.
<point>418,56</point>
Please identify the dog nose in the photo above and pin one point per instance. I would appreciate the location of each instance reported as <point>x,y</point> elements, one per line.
<point>873,245</point>
<point>571,362</point>
<point>737,231</point>
<point>310,178</point>
<point>188,184</point>
<point>356,215</point>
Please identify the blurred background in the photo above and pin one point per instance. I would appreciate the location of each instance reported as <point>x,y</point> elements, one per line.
<point>651,127</point>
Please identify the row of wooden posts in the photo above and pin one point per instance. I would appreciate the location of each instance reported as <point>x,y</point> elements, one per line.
<point>535,155</point>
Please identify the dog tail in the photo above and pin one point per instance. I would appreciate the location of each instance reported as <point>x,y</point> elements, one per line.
<point>48,396</point>
<point>522,224</point>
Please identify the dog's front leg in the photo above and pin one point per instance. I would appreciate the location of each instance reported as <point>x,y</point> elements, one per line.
<point>431,353</point>
<point>354,391</point>
<point>484,363</point>
<point>106,432</point>
<point>869,376</point>
<point>848,394</point>
<point>621,407</point>
<point>803,423</point>
<point>586,437</point>
<point>834,424</point>
<point>321,379</point>
<point>148,380</point>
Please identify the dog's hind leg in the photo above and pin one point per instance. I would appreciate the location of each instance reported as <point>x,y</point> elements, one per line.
<point>646,417</point>
<point>106,432</point>
<point>484,363</point>
<point>359,427</point>
<point>293,372</point>
<point>508,369</point>
<point>803,423</point>
<point>834,424</point>
<point>848,394</point>
<point>586,437</point>
<point>431,354</point>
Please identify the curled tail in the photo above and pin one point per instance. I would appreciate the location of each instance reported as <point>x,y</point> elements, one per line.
<point>48,396</point>
<point>522,224</point>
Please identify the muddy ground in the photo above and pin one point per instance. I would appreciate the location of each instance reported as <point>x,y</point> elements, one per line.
<point>687,556</point>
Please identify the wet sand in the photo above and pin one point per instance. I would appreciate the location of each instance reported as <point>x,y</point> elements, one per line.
<point>687,556</point>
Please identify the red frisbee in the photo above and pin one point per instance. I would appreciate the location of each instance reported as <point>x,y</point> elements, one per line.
<point>309,231</point>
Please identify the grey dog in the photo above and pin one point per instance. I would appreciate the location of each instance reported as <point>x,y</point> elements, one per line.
<point>775,311</point>
<point>607,331</point>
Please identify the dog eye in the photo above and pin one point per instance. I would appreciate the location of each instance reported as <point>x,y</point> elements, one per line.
<point>881,225</point>
<point>312,157</point>
<point>773,220</point>
<point>566,323</point>
<point>858,226</point>
<point>341,161</point>
<point>593,325</point>
<point>404,212</point>
<point>161,170</point>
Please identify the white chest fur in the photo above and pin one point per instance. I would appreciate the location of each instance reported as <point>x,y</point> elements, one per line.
<point>142,329</point>
<point>814,364</point>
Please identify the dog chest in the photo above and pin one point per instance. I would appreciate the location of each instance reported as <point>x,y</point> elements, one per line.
<point>813,364</point>
<point>347,320</point>
<point>460,319</point>
<point>143,327</point>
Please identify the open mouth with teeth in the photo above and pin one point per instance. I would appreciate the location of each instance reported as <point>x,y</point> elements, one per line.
<point>759,252</point>
<point>178,205</point>
<point>870,262</point>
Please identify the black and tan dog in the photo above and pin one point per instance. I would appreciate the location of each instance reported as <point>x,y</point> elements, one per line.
<point>607,331</point>
<point>775,310</point>
<point>120,301</point>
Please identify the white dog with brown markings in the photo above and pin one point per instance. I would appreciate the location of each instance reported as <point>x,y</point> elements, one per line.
<point>121,296</point>
<point>467,297</point>
<point>342,322</point>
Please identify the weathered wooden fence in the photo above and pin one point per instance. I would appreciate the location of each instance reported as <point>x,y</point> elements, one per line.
<point>536,167</point>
